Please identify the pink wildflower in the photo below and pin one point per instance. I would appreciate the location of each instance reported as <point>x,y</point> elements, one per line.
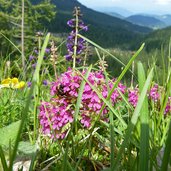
<point>56,115</point>
<point>168,106</point>
<point>154,94</point>
<point>133,96</point>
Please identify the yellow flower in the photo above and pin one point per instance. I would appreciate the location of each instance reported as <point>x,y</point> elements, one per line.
<point>19,85</point>
<point>6,82</point>
<point>12,83</point>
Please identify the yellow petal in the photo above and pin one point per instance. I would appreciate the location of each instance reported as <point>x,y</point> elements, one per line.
<point>5,86</point>
<point>19,85</point>
<point>14,80</point>
<point>6,81</point>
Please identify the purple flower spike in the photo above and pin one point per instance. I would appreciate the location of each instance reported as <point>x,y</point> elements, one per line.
<point>47,50</point>
<point>80,44</point>
<point>29,84</point>
<point>71,23</point>
<point>45,82</point>
<point>36,51</point>
<point>31,58</point>
<point>34,65</point>
<point>68,57</point>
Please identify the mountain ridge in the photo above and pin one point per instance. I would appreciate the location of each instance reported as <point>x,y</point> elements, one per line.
<point>107,31</point>
<point>147,21</point>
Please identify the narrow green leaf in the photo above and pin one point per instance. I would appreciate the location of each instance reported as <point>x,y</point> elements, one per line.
<point>167,151</point>
<point>3,160</point>
<point>27,104</point>
<point>33,159</point>
<point>122,74</point>
<point>24,116</point>
<point>11,42</point>
<point>144,119</point>
<point>134,119</point>
<point>99,47</point>
<point>81,89</point>
<point>40,59</point>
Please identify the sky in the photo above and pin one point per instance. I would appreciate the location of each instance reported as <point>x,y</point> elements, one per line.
<point>136,6</point>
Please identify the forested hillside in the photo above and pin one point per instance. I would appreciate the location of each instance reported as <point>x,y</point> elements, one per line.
<point>157,38</point>
<point>115,32</point>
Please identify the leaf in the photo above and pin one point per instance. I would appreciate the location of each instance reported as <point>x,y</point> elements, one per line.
<point>144,118</point>
<point>134,119</point>
<point>26,148</point>
<point>167,151</point>
<point>9,134</point>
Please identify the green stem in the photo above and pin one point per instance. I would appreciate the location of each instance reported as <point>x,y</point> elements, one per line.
<point>76,37</point>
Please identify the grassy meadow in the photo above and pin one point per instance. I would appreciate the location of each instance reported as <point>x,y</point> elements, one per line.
<point>68,104</point>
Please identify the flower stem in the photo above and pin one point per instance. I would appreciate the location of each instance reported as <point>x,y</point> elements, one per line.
<point>76,38</point>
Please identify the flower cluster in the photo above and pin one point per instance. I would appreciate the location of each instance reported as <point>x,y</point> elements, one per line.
<point>168,106</point>
<point>133,96</point>
<point>153,95</point>
<point>56,116</point>
<point>74,42</point>
<point>12,83</point>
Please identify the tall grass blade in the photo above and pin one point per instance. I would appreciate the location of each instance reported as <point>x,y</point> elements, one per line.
<point>40,59</point>
<point>27,104</point>
<point>3,160</point>
<point>123,73</point>
<point>104,50</point>
<point>33,159</point>
<point>36,79</point>
<point>24,117</point>
<point>11,42</point>
<point>64,166</point>
<point>144,119</point>
<point>134,119</point>
<point>81,89</point>
<point>167,151</point>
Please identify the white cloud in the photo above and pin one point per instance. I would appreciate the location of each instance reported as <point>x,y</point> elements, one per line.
<point>163,2</point>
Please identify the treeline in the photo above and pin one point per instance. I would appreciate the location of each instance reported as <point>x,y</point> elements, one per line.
<point>52,15</point>
<point>34,18</point>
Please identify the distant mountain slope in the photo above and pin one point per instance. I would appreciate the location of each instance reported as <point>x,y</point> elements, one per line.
<point>114,14</point>
<point>147,21</point>
<point>155,39</point>
<point>106,30</point>
<point>166,19</point>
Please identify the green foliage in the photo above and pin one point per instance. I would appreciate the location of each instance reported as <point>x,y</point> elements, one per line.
<point>157,39</point>
<point>26,148</point>
<point>36,17</point>
<point>8,134</point>
<point>129,139</point>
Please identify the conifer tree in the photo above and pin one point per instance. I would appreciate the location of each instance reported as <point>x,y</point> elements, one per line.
<point>35,18</point>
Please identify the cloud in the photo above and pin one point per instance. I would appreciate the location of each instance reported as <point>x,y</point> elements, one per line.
<point>163,2</point>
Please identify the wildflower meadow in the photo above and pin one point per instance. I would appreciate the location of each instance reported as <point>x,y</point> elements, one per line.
<point>61,112</point>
